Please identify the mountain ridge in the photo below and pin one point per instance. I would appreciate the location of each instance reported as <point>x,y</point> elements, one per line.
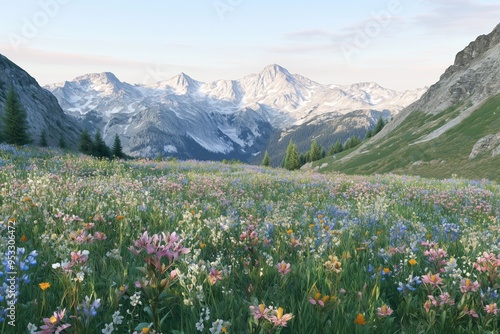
<point>446,126</point>
<point>229,116</point>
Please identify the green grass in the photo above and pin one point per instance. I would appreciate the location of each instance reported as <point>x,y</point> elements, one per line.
<point>349,239</point>
<point>442,157</point>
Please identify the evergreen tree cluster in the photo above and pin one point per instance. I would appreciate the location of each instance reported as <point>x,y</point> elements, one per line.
<point>293,160</point>
<point>352,142</point>
<point>14,124</point>
<point>97,147</point>
<point>379,126</point>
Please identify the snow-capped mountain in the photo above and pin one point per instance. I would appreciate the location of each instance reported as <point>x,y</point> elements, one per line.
<point>220,119</point>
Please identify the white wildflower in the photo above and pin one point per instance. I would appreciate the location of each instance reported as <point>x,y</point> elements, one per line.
<point>117,318</point>
<point>135,299</point>
<point>108,329</point>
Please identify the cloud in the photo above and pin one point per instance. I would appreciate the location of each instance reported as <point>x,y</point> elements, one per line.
<point>457,16</point>
<point>39,56</point>
<point>424,18</point>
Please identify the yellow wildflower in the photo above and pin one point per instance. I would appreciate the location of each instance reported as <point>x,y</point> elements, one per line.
<point>44,285</point>
<point>360,320</point>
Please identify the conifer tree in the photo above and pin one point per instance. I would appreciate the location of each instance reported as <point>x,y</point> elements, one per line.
<point>86,143</point>
<point>117,148</point>
<point>315,152</point>
<point>292,158</point>
<point>331,150</point>
<point>266,162</point>
<point>338,147</point>
<point>380,125</point>
<point>15,123</point>
<point>43,139</point>
<point>100,149</point>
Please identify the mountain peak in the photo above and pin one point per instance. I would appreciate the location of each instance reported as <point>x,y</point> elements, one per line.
<point>274,70</point>
<point>183,83</point>
<point>473,51</point>
<point>102,76</point>
<point>367,85</point>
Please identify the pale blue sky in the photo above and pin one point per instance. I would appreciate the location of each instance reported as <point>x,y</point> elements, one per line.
<point>401,44</point>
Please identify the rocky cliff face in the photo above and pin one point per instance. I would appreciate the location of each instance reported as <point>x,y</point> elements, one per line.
<point>473,76</point>
<point>455,122</point>
<point>43,110</point>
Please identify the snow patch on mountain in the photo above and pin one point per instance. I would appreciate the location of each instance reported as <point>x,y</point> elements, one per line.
<point>221,116</point>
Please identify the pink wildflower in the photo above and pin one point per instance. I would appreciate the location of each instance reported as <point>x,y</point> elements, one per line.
<point>51,324</point>
<point>491,309</point>
<point>432,280</point>
<point>384,311</point>
<point>100,236</point>
<point>438,257</point>
<point>427,306</point>
<point>433,300</point>
<point>214,276</point>
<point>295,242</point>
<point>317,299</point>
<point>278,319</point>
<point>158,247</point>
<point>259,312</point>
<point>283,268</point>
<point>445,299</point>
<point>79,257</point>
<point>466,285</point>
<point>470,312</point>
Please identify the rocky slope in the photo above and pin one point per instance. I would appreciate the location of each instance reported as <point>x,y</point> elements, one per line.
<point>450,129</point>
<point>42,108</point>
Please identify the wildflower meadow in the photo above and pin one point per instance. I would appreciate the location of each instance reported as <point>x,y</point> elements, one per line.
<point>93,246</point>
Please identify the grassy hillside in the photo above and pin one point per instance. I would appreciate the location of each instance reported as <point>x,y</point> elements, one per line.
<point>441,157</point>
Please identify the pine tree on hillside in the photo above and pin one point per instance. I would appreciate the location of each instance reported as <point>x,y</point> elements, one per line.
<point>336,148</point>
<point>352,142</point>
<point>315,152</point>
<point>292,158</point>
<point>43,139</point>
<point>331,150</point>
<point>15,123</point>
<point>117,148</point>
<point>86,143</point>
<point>266,162</point>
<point>304,158</point>
<point>369,134</point>
<point>380,125</point>
<point>100,149</point>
